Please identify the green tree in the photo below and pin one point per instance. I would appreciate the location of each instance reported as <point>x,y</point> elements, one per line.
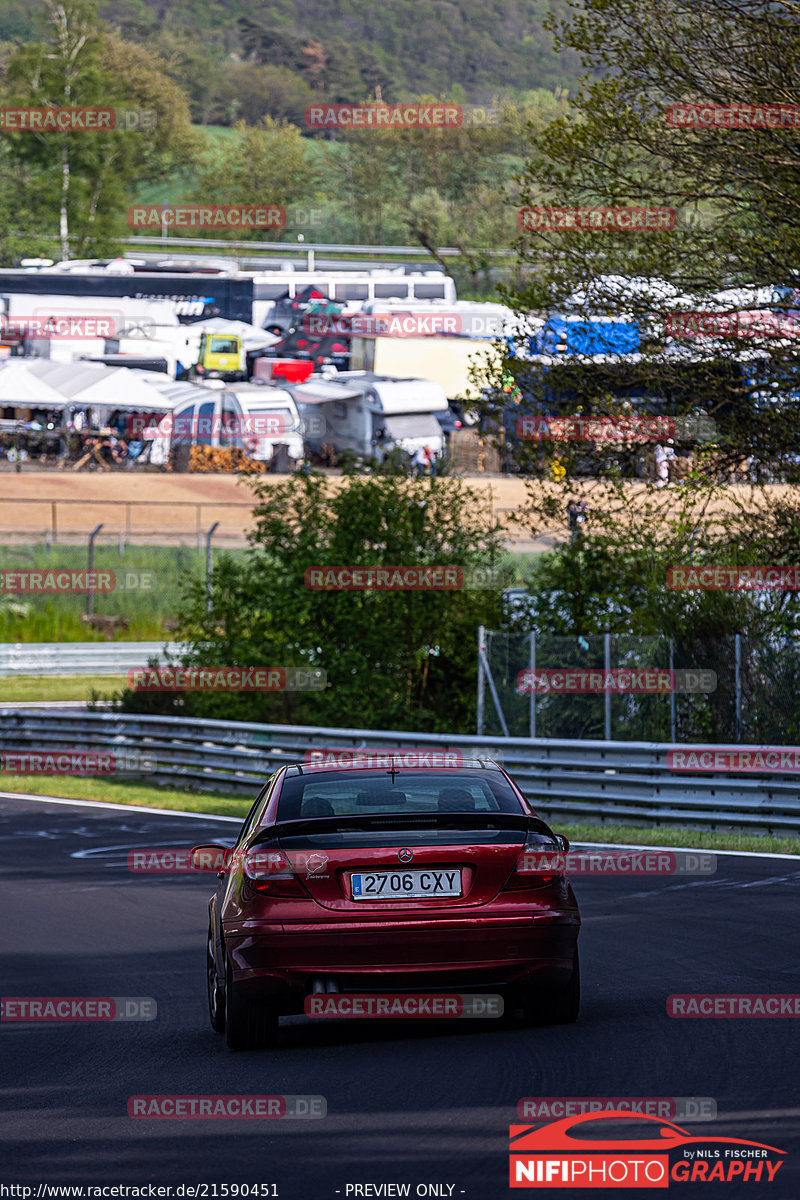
<point>393,659</point>
<point>268,164</point>
<point>85,177</point>
<point>735,193</point>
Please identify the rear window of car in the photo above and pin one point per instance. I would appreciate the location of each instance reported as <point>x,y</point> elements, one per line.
<point>363,793</point>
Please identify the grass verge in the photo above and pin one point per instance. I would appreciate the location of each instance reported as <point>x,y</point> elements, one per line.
<point>21,688</point>
<point>126,791</point>
<point>692,838</point>
<point>148,796</point>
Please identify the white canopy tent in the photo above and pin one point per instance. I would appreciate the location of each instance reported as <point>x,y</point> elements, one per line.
<point>20,387</point>
<point>42,383</point>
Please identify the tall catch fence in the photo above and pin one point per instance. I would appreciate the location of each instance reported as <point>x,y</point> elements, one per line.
<point>710,690</point>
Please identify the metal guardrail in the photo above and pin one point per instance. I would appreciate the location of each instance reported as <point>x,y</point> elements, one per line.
<point>627,783</point>
<point>78,658</point>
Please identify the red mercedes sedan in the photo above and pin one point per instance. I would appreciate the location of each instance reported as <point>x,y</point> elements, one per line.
<point>389,879</point>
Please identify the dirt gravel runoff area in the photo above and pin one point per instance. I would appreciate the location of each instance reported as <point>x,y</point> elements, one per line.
<point>159,509</point>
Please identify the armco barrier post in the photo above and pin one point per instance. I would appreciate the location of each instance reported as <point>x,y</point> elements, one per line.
<point>90,593</point>
<point>672,705</point>
<point>532,664</point>
<point>607,659</point>
<point>481,681</point>
<point>209,562</point>
<point>738,649</point>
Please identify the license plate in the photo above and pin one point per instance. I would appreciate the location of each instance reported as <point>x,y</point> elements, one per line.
<point>405,885</point>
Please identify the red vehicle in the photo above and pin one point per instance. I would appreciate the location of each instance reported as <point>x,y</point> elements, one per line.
<point>558,1137</point>
<point>389,879</point>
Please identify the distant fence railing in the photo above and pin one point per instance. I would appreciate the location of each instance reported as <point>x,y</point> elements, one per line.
<point>627,783</point>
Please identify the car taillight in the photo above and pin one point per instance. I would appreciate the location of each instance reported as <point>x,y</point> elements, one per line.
<point>269,872</point>
<point>541,861</point>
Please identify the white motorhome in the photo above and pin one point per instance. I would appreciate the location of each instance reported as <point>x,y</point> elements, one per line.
<point>352,288</point>
<point>73,327</point>
<point>370,414</point>
<point>254,417</point>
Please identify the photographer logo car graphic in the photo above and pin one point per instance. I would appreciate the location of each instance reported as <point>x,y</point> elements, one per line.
<point>555,1156</point>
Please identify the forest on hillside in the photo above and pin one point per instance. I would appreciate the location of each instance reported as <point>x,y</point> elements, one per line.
<point>236,62</point>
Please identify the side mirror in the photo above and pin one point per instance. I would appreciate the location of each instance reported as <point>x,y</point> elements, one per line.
<point>210,857</point>
<point>563,842</point>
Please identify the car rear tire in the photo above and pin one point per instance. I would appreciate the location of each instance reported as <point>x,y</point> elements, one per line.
<point>559,1006</point>
<point>216,995</point>
<point>248,1025</point>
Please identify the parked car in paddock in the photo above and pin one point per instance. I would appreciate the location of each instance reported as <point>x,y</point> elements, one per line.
<point>393,878</point>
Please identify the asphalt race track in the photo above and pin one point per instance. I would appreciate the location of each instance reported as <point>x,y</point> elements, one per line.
<point>407,1101</point>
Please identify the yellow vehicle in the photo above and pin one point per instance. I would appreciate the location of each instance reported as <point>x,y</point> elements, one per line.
<point>221,356</point>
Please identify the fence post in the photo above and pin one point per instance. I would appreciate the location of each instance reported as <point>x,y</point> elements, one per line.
<point>673,723</point>
<point>532,663</point>
<point>607,661</point>
<point>90,593</point>
<point>481,682</point>
<point>738,645</point>
<point>209,561</point>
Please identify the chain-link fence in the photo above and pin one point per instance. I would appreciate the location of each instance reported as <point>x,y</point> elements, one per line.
<point>104,588</point>
<point>622,688</point>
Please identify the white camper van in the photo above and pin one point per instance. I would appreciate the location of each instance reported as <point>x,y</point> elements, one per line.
<point>254,417</point>
<point>370,414</point>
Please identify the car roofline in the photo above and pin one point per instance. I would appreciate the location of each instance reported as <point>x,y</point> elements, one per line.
<point>486,764</point>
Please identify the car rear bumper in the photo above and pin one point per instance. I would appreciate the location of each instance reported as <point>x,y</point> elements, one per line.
<point>283,960</point>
